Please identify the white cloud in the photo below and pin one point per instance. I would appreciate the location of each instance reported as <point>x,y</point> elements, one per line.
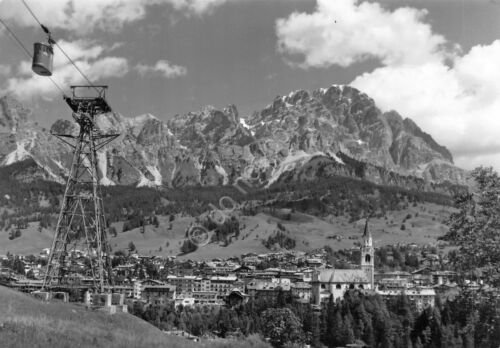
<point>451,95</point>
<point>198,7</point>
<point>108,67</point>
<point>342,32</point>
<point>162,67</point>
<point>5,70</point>
<point>79,16</point>
<point>86,55</point>
<point>458,105</point>
<point>83,17</point>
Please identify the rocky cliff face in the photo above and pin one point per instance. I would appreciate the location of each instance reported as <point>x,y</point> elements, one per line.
<point>301,136</point>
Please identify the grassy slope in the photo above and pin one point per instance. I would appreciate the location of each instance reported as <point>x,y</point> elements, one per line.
<point>30,242</point>
<point>309,232</point>
<point>27,322</point>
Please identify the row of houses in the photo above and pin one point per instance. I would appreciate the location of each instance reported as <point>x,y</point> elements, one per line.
<point>316,293</point>
<point>309,285</point>
<point>235,280</point>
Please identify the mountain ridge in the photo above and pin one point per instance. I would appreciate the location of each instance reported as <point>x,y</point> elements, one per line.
<point>301,132</point>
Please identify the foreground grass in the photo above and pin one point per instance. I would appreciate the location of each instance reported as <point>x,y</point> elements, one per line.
<point>27,322</point>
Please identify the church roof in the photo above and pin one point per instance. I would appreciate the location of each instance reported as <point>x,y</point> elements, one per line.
<point>343,276</point>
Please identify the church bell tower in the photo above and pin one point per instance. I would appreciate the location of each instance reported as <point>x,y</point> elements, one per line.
<point>367,255</point>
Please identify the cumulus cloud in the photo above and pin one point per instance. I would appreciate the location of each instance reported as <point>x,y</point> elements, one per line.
<point>83,17</point>
<point>87,56</point>
<point>107,67</point>
<point>162,67</point>
<point>198,7</point>
<point>342,32</point>
<point>450,94</point>
<point>457,104</point>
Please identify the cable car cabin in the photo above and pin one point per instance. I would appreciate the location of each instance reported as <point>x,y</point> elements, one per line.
<point>42,59</point>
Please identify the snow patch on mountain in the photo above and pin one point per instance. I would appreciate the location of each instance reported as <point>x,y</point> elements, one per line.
<point>285,99</point>
<point>19,154</point>
<point>292,161</point>
<point>335,157</point>
<point>145,182</point>
<point>156,174</point>
<point>222,172</point>
<point>62,169</point>
<point>59,164</point>
<point>102,165</point>
<point>245,125</point>
<point>169,132</point>
<point>49,171</point>
<point>105,181</point>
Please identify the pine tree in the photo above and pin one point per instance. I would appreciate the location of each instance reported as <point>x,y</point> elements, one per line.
<point>337,330</point>
<point>475,227</point>
<point>315,331</point>
<point>282,326</point>
<point>348,328</point>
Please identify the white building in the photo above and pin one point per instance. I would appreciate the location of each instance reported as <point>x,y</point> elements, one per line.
<point>419,297</point>
<point>335,282</point>
<point>184,301</point>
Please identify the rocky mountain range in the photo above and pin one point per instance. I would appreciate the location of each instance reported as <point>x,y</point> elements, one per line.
<point>301,136</point>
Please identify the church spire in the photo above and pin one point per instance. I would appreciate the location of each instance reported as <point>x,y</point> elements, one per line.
<point>368,254</point>
<point>367,236</point>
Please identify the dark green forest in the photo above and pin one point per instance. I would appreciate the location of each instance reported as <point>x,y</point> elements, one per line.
<point>138,206</point>
<point>465,322</point>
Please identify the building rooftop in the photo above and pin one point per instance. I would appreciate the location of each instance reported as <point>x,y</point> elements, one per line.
<point>342,276</point>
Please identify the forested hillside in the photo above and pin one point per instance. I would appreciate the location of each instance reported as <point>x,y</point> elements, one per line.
<point>338,200</point>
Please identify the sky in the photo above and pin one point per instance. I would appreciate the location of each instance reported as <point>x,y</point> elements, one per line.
<point>434,61</point>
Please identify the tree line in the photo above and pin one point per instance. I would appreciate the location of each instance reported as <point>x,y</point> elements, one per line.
<point>378,323</point>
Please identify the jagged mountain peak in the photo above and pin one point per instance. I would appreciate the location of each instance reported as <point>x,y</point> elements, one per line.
<point>140,119</point>
<point>208,127</point>
<point>299,136</point>
<point>135,123</point>
<point>154,132</point>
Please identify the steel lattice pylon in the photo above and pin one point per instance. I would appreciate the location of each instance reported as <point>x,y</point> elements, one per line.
<point>81,221</point>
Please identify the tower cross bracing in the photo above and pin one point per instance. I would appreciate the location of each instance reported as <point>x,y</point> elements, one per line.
<point>81,225</point>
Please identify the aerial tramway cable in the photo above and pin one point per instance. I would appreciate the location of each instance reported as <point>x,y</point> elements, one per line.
<point>27,52</point>
<point>51,40</point>
<point>83,192</point>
